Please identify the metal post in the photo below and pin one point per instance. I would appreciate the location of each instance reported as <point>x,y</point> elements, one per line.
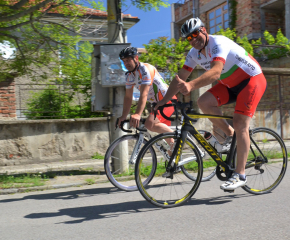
<point>281,106</point>
<point>117,94</point>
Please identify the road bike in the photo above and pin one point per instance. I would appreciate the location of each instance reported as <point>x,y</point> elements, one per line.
<point>265,167</point>
<point>120,158</point>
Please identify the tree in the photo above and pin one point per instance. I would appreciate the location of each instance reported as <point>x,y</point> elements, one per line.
<point>168,56</point>
<point>23,26</point>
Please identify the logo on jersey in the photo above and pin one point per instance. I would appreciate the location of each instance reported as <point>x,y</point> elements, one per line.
<point>209,52</point>
<point>198,56</point>
<point>252,97</point>
<point>143,72</point>
<point>215,49</point>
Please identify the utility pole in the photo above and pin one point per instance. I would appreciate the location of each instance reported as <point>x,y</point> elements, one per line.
<point>115,35</point>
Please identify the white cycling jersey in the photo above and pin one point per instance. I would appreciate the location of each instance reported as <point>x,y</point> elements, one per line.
<point>238,63</point>
<point>148,75</point>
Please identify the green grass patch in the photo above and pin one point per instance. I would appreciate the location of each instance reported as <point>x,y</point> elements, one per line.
<point>98,156</point>
<point>22,181</point>
<point>90,181</point>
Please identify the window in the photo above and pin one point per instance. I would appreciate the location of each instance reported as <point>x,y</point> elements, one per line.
<point>218,18</point>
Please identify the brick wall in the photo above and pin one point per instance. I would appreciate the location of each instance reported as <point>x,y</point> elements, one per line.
<point>7,100</point>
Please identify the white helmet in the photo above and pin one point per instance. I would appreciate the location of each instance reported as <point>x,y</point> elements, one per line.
<point>190,26</point>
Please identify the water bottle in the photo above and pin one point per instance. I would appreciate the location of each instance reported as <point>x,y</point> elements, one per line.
<point>213,141</point>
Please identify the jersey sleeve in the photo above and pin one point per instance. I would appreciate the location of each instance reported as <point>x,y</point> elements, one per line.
<point>219,50</point>
<point>147,73</point>
<point>129,84</point>
<point>189,64</point>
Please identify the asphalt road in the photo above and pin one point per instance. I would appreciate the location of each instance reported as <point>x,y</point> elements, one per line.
<point>102,212</point>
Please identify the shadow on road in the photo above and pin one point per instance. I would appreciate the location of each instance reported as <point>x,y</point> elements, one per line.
<point>88,213</point>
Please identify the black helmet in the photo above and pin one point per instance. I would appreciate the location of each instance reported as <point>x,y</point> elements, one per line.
<point>190,26</point>
<point>128,52</point>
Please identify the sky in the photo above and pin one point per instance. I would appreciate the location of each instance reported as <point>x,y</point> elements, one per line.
<point>152,24</point>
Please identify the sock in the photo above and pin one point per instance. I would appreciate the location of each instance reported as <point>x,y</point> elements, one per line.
<point>242,176</point>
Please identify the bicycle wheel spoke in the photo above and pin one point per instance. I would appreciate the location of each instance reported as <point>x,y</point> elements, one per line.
<point>117,167</point>
<point>266,167</point>
<point>172,189</point>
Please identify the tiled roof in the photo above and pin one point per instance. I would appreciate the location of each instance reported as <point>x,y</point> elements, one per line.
<point>87,11</point>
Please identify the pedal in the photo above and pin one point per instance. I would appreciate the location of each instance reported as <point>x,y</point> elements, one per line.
<point>229,191</point>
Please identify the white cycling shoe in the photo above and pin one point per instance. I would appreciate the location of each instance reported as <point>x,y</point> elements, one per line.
<point>233,182</point>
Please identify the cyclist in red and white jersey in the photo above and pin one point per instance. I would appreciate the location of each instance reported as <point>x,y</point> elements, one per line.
<point>240,79</point>
<point>152,87</point>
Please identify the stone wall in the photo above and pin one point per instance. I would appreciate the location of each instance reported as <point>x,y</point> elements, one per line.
<point>40,141</point>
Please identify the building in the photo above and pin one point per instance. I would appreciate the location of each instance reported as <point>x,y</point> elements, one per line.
<point>15,92</point>
<point>248,17</point>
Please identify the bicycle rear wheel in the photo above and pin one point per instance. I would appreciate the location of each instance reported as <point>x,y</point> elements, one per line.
<point>169,192</point>
<point>267,161</point>
<point>116,163</point>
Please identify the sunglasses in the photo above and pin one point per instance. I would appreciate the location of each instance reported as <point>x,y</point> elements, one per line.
<point>193,35</point>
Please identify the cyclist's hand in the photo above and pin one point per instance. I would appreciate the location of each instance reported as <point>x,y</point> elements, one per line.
<point>183,87</point>
<point>158,104</point>
<point>134,120</point>
<point>121,119</point>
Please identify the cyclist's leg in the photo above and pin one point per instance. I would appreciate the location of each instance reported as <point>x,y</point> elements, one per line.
<point>248,98</point>
<point>210,102</point>
<point>160,125</point>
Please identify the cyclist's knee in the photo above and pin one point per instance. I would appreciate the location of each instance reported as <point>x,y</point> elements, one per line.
<point>241,123</point>
<point>206,101</point>
<point>149,124</point>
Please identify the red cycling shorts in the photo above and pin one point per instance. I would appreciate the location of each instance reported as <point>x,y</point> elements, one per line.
<point>168,111</point>
<point>246,94</point>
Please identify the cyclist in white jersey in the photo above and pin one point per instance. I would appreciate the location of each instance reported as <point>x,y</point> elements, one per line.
<point>240,79</point>
<point>152,87</point>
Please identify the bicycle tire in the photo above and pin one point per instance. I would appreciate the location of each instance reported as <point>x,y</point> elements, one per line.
<point>265,174</point>
<point>165,192</point>
<point>124,181</point>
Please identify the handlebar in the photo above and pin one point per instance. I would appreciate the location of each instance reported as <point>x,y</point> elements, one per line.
<point>185,108</point>
<point>142,120</point>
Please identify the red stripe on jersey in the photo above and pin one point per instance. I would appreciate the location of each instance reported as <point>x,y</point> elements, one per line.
<point>219,59</point>
<point>187,68</point>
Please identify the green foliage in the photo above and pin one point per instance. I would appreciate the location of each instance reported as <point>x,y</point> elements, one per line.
<point>37,41</point>
<point>260,51</point>
<point>233,13</point>
<point>146,5</point>
<point>168,56</point>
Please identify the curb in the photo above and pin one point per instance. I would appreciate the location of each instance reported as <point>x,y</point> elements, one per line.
<point>48,187</point>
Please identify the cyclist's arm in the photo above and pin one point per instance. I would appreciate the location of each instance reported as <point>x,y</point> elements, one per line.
<point>127,102</point>
<point>144,89</point>
<point>209,76</point>
<point>173,90</point>
<point>135,118</point>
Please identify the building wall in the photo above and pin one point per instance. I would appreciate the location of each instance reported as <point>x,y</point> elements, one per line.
<point>7,100</point>
<point>251,20</point>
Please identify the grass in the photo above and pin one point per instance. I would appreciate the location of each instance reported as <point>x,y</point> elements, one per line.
<point>90,181</point>
<point>98,156</point>
<point>34,180</point>
<point>22,181</point>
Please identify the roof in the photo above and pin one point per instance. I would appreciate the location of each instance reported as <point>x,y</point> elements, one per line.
<point>94,12</point>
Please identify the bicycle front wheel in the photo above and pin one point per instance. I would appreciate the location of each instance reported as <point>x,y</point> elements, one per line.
<point>118,169</point>
<point>267,161</point>
<point>169,191</point>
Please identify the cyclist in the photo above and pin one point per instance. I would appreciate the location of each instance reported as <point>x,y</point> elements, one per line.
<point>152,87</point>
<point>240,79</point>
